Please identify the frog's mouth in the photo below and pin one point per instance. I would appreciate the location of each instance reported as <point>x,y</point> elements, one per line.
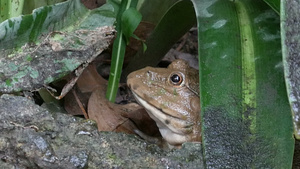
<point>164,120</point>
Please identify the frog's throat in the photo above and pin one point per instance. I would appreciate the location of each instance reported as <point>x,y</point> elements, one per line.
<point>162,119</point>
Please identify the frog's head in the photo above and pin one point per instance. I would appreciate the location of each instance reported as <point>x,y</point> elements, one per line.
<point>171,98</point>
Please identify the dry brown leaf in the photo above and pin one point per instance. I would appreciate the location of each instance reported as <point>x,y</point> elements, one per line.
<point>88,95</point>
<point>108,115</point>
<point>75,102</point>
<point>91,80</point>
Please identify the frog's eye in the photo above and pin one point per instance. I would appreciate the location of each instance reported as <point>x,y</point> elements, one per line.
<point>176,79</point>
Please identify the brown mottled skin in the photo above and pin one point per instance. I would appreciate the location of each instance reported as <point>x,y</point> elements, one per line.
<point>171,98</point>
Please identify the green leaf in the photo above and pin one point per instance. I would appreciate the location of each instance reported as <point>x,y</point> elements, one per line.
<point>116,4</point>
<point>246,121</point>
<point>33,4</point>
<point>290,16</point>
<point>39,48</point>
<point>143,43</point>
<point>10,8</point>
<point>160,7</point>
<point>174,24</point>
<point>4,10</point>
<point>131,18</point>
<point>274,4</point>
<point>118,53</point>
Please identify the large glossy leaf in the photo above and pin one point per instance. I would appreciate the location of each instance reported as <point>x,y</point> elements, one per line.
<point>246,121</point>
<point>40,48</point>
<point>290,16</point>
<point>30,5</point>
<point>160,7</point>
<point>165,34</point>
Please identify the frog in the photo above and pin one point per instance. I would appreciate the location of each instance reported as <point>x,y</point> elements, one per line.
<point>171,98</point>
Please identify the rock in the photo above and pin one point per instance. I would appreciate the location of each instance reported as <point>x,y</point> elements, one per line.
<point>32,136</point>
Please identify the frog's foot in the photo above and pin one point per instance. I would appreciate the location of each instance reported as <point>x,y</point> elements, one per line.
<point>150,139</point>
<point>154,140</point>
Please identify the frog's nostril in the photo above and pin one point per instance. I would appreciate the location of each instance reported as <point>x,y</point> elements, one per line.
<point>167,121</point>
